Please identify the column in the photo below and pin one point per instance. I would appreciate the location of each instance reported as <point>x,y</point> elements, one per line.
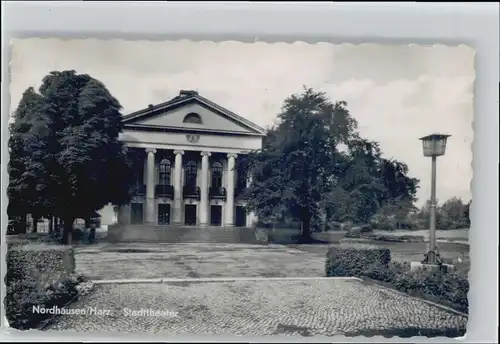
<point>231,163</point>
<point>204,189</point>
<point>177,211</point>
<point>150,186</point>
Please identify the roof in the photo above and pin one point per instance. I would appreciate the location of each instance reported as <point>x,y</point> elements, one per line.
<point>188,96</point>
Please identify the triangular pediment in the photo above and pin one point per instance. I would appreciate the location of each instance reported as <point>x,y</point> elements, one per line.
<point>190,111</point>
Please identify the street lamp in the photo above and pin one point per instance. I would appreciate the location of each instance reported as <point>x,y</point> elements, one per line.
<point>433,145</point>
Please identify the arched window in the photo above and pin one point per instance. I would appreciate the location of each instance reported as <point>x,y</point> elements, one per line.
<point>190,173</point>
<point>165,172</point>
<point>192,118</point>
<point>217,175</point>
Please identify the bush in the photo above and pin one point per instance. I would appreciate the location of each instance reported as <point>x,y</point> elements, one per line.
<point>351,261</point>
<point>375,263</point>
<point>37,275</point>
<point>452,287</point>
<point>385,273</point>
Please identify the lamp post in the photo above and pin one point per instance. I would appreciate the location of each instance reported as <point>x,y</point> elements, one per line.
<point>433,145</point>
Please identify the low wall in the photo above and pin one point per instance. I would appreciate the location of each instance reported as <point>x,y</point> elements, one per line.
<point>173,234</point>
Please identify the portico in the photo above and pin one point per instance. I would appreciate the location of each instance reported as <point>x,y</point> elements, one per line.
<point>185,156</point>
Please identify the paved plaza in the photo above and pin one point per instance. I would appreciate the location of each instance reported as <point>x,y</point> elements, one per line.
<point>305,304</point>
<point>204,260</point>
<point>301,307</point>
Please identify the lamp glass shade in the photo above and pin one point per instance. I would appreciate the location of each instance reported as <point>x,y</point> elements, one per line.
<point>434,145</point>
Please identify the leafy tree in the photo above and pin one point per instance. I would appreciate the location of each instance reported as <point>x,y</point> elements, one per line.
<point>467,213</point>
<point>398,196</point>
<point>360,179</point>
<point>29,176</point>
<point>453,214</point>
<point>372,185</point>
<point>81,163</point>
<point>298,158</point>
<point>303,170</point>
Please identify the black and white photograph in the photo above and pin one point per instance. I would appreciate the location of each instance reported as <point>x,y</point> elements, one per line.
<point>251,189</point>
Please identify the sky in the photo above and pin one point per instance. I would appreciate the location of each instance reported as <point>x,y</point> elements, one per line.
<point>396,93</point>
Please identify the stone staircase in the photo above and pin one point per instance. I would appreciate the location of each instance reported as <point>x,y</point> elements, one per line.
<point>184,234</point>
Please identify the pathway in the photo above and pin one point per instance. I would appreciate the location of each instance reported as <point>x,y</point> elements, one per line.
<point>302,307</point>
<point>140,261</point>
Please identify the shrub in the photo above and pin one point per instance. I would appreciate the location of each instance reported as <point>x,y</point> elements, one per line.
<point>367,261</point>
<point>385,273</point>
<point>37,275</point>
<point>452,287</point>
<point>352,260</point>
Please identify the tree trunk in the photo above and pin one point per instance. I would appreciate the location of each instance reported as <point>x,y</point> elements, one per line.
<point>35,224</point>
<point>306,224</point>
<point>306,229</point>
<point>51,224</point>
<point>57,229</point>
<point>67,231</point>
<point>92,234</point>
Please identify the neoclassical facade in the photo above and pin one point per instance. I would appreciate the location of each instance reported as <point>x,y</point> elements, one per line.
<point>186,151</point>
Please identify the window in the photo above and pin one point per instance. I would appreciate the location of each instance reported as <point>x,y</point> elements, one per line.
<point>217,175</point>
<point>190,173</point>
<point>192,118</point>
<point>165,172</point>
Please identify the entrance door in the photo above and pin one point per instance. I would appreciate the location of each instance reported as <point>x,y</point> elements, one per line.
<point>136,213</point>
<point>163,214</point>
<point>190,215</point>
<point>216,215</point>
<point>241,217</point>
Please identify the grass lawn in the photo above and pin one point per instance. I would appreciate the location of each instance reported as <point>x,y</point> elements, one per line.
<point>400,252</point>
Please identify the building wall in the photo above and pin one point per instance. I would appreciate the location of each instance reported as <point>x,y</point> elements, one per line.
<point>210,120</point>
<point>214,143</point>
<point>207,142</point>
<point>108,215</point>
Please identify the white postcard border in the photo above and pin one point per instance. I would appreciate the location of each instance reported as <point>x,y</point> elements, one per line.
<point>473,24</point>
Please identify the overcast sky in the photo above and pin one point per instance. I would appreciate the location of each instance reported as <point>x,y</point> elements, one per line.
<point>396,93</point>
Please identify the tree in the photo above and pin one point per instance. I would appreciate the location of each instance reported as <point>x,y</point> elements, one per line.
<point>453,214</point>
<point>360,180</point>
<point>303,172</point>
<point>29,175</point>
<point>397,200</point>
<point>298,159</point>
<point>372,185</point>
<point>467,213</point>
<point>81,163</point>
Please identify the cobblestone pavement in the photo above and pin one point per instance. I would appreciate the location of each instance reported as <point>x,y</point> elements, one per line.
<point>126,261</point>
<point>301,307</point>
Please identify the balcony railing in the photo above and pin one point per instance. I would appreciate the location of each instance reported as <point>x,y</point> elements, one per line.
<point>189,191</point>
<point>217,193</point>
<point>139,190</point>
<point>164,191</point>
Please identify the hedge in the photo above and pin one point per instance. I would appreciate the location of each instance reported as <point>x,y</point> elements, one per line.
<point>351,261</point>
<point>37,275</point>
<point>446,287</point>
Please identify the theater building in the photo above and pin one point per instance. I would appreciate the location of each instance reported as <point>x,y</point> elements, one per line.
<point>185,152</point>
